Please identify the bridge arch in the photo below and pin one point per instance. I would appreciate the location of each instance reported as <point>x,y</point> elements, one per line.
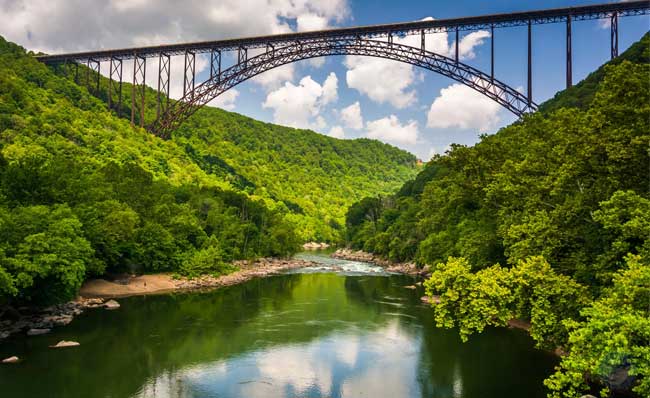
<point>205,92</point>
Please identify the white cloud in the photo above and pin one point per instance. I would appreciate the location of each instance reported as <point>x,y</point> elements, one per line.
<point>63,25</point>
<point>226,100</point>
<point>300,105</point>
<point>351,116</point>
<point>330,89</point>
<point>390,129</point>
<point>337,132</point>
<point>390,81</point>
<point>461,106</point>
<point>381,80</point>
<point>272,79</point>
<point>469,42</point>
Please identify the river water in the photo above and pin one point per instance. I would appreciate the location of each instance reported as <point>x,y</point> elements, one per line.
<point>343,329</point>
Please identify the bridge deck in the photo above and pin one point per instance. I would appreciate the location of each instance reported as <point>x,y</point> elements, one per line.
<point>546,16</point>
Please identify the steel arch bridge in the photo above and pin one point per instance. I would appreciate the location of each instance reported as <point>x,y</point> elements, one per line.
<point>505,95</point>
<point>373,41</point>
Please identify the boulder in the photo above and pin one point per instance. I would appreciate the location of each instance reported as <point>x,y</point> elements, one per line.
<point>13,359</point>
<point>64,343</point>
<point>111,305</point>
<point>37,332</point>
<point>410,287</point>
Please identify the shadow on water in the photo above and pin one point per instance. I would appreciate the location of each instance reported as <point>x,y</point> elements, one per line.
<point>294,335</point>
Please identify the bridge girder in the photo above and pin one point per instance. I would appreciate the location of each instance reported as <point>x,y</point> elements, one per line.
<point>485,84</point>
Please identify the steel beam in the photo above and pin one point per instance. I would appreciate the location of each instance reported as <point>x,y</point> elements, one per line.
<point>614,34</point>
<point>457,42</point>
<point>492,53</point>
<point>189,76</point>
<point>115,74</point>
<point>507,96</point>
<point>423,43</point>
<point>569,56</point>
<point>215,64</point>
<point>530,62</point>
<point>242,56</point>
<point>164,71</point>
<point>138,89</point>
<point>556,15</point>
<point>93,66</point>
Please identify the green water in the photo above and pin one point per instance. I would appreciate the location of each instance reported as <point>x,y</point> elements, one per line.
<point>307,334</point>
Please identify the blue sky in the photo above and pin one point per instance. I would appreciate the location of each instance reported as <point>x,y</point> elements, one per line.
<point>394,102</point>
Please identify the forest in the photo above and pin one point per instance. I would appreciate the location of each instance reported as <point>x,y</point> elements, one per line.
<point>547,221</point>
<point>84,194</point>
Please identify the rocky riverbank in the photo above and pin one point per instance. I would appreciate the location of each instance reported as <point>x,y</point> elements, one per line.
<point>95,292</point>
<point>389,266</point>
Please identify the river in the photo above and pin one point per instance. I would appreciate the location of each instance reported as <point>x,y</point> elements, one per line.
<point>343,329</point>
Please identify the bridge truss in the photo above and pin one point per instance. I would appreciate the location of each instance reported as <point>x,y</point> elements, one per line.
<point>375,41</point>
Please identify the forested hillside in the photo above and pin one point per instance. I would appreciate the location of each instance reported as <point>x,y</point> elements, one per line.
<point>311,176</point>
<point>560,201</point>
<point>83,193</point>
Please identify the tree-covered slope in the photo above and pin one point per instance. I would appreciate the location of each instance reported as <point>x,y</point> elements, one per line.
<point>548,221</point>
<point>84,193</point>
<point>314,177</point>
<point>581,95</point>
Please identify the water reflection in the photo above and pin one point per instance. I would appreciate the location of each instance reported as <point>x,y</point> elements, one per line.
<point>298,335</point>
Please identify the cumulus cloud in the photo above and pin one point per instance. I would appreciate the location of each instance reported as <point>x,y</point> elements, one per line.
<point>351,116</point>
<point>300,105</point>
<point>460,106</point>
<point>381,80</point>
<point>390,81</point>
<point>226,100</point>
<point>337,132</point>
<point>56,26</point>
<point>390,129</point>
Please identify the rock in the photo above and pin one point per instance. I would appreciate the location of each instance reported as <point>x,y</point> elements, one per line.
<point>64,343</point>
<point>430,300</point>
<point>410,287</point>
<point>111,305</point>
<point>587,396</point>
<point>37,332</point>
<point>13,359</point>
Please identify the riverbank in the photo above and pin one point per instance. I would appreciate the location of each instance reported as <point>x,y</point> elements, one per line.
<point>95,292</point>
<point>389,266</point>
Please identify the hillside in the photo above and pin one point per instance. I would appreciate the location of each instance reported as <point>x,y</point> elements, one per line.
<point>314,177</point>
<point>83,193</point>
<point>546,221</point>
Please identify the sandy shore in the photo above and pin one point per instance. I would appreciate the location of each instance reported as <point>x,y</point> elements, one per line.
<point>165,283</point>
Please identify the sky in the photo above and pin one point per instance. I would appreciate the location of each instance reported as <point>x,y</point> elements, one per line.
<point>344,97</point>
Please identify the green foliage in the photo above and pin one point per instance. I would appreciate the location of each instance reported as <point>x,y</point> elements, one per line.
<point>561,198</point>
<point>467,300</point>
<point>492,296</point>
<point>556,196</point>
<point>207,260</point>
<point>614,336</point>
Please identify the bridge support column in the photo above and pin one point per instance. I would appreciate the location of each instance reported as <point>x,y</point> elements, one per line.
<point>492,53</point>
<point>76,72</point>
<point>93,66</point>
<point>164,70</point>
<point>569,56</point>
<point>456,58</point>
<point>242,56</point>
<point>115,71</point>
<point>215,64</point>
<point>530,62</point>
<point>423,43</point>
<point>614,34</point>
<point>138,89</point>
<point>189,76</point>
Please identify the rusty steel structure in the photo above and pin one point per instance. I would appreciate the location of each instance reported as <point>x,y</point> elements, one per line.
<point>374,41</point>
